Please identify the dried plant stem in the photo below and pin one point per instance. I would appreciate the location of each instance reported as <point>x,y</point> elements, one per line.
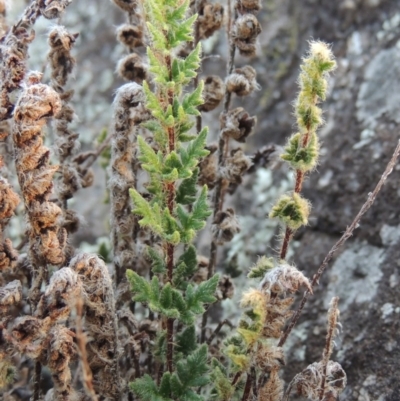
<point>218,329</point>
<point>81,341</point>
<point>347,234</point>
<point>332,321</point>
<point>128,114</point>
<point>297,189</point>
<point>36,381</point>
<point>218,196</point>
<point>248,385</point>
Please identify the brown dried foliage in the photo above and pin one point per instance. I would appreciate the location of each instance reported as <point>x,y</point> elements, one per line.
<point>35,174</point>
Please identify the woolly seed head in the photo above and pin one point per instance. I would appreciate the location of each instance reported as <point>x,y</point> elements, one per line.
<point>284,278</point>
<point>292,210</point>
<point>323,55</point>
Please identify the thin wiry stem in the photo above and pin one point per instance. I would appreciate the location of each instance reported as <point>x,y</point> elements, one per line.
<point>347,234</point>
<point>332,321</point>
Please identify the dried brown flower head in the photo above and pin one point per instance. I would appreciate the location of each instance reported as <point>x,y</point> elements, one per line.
<point>130,35</point>
<point>238,124</point>
<point>210,19</point>
<point>61,60</point>
<point>268,357</point>
<point>236,166</point>
<point>8,255</point>
<point>250,5</point>
<point>52,9</point>
<point>213,93</point>
<point>308,381</point>
<point>242,81</point>
<point>9,200</point>
<point>273,388</point>
<point>225,226</point>
<point>244,34</point>
<point>132,68</point>
<point>10,295</point>
<point>208,167</point>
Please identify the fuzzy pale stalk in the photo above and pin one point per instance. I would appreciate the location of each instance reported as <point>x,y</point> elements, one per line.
<point>128,113</point>
<point>347,234</point>
<point>82,342</point>
<point>101,323</point>
<point>62,64</point>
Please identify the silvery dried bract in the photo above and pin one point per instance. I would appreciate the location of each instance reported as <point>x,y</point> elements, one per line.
<point>284,278</point>
<point>308,382</point>
<point>244,34</point>
<point>242,81</point>
<point>269,357</point>
<point>213,93</point>
<point>225,226</point>
<point>238,124</point>
<point>210,18</point>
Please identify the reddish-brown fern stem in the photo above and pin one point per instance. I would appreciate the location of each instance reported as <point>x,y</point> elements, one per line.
<point>248,385</point>
<point>170,190</point>
<point>347,234</point>
<point>297,189</point>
